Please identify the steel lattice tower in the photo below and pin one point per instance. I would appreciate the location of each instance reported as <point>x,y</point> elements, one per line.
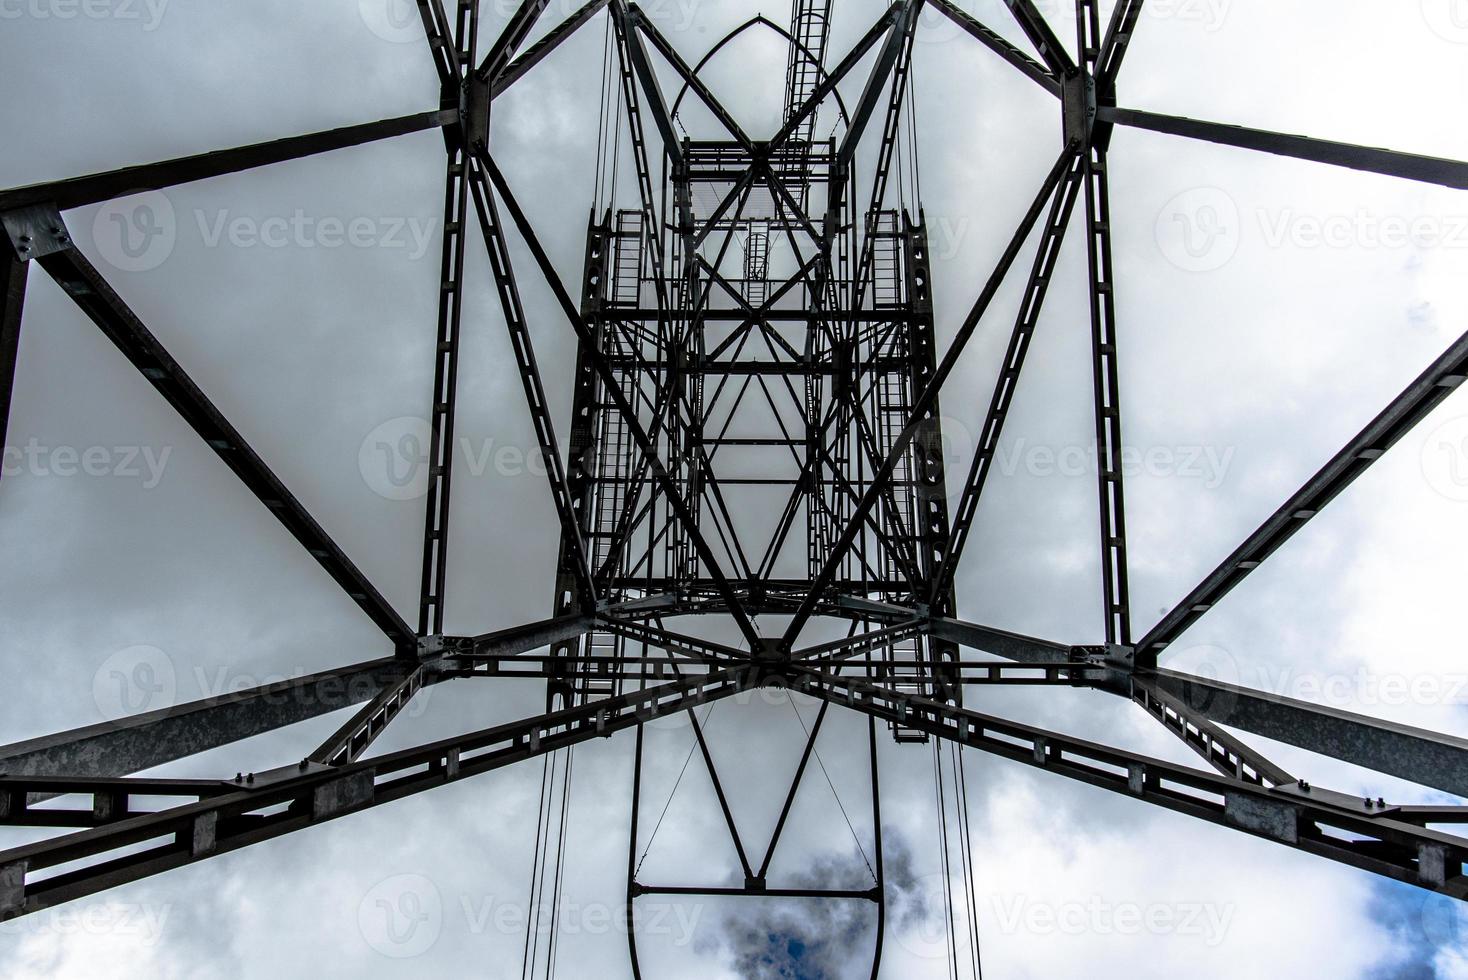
<point>737,277</point>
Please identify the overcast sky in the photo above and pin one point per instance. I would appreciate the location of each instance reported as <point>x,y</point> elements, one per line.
<point>1268,308</point>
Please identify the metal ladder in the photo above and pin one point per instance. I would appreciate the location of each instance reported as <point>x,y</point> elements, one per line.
<point>810,22</point>
<point>909,678</point>
<point>639,144</point>
<point>612,455</point>
<point>626,285</point>
<point>599,681</point>
<point>894,406</point>
<point>890,141</point>
<point>886,260</point>
<point>757,264</point>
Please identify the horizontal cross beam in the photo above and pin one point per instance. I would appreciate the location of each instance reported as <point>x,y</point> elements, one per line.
<point>1343,828</point>
<point>76,192</point>
<point>1414,754</point>
<point>227,815</point>
<point>1412,166</point>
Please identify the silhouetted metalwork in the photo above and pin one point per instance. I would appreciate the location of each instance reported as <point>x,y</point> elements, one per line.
<point>755,340</point>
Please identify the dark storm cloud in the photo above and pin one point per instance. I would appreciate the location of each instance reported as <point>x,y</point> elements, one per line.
<point>1425,931</point>
<point>773,939</point>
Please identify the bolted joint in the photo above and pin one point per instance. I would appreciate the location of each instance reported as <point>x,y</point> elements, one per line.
<point>36,231</point>
<point>439,646</point>
<point>1118,661</point>
<point>775,675</point>
<point>772,650</point>
<point>1122,656</point>
<point>474,110</point>
<point>1078,107</point>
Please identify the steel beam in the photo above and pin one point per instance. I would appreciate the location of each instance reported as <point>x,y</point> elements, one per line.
<point>655,104</point>
<point>1419,398</point>
<point>1031,68</point>
<point>1002,643</point>
<point>872,92</point>
<point>868,894</point>
<point>226,815</point>
<point>708,762</point>
<point>829,82</point>
<point>1033,23</point>
<point>644,25</point>
<point>659,471</point>
<point>522,22</point>
<point>518,328</point>
<point>1105,370</point>
<point>444,397</point>
<point>1114,47</point>
<point>537,52</point>
<point>1414,754</point>
<point>440,43</point>
<point>971,674</point>
<point>1005,386</point>
<point>806,753</point>
<point>1221,749</point>
<point>76,192</point>
<point>138,742</point>
<point>356,736</point>
<point>97,299</point>
<point>1343,828</point>
<point>12,302</point>
<point>1411,166</point>
<point>1067,163</point>
<point>511,641</point>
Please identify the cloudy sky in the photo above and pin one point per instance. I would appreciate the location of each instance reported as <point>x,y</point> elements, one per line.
<point>1268,308</point>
